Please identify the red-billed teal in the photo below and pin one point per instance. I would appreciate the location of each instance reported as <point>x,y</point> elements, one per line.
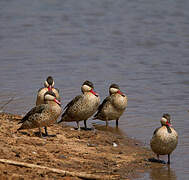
<point>42,115</point>
<point>83,106</point>
<point>165,138</point>
<point>113,106</point>
<point>48,86</point>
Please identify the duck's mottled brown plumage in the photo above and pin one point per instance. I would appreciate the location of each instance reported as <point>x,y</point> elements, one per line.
<point>42,115</point>
<point>113,106</point>
<point>39,116</point>
<point>83,106</point>
<point>165,139</point>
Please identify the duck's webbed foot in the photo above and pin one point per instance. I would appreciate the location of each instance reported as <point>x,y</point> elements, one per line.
<point>157,160</point>
<point>83,128</point>
<point>47,134</point>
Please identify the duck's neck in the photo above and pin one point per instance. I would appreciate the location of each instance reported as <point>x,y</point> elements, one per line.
<point>53,104</point>
<point>168,129</point>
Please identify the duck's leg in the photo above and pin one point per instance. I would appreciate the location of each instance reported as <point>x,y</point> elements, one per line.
<point>46,133</point>
<point>117,123</point>
<point>40,133</point>
<point>78,126</point>
<point>106,122</point>
<point>168,159</point>
<point>85,124</point>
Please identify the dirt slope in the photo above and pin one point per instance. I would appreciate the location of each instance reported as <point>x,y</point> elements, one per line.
<point>92,153</point>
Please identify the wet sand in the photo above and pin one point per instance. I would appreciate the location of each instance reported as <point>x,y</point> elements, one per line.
<point>80,153</point>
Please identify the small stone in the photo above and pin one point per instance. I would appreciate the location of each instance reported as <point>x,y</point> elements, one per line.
<point>91,145</point>
<point>114,144</point>
<point>62,156</point>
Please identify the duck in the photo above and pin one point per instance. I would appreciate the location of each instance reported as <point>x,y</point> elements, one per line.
<point>42,115</point>
<point>83,106</point>
<point>112,106</point>
<point>165,138</point>
<point>48,86</point>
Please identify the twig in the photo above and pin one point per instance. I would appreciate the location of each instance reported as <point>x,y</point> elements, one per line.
<point>59,171</point>
<point>10,100</point>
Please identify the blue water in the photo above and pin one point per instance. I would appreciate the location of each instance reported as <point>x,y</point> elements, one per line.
<point>142,45</point>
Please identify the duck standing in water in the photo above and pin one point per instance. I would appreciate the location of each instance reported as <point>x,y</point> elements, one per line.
<point>83,106</point>
<point>113,106</point>
<point>42,115</point>
<point>165,138</point>
<point>48,86</point>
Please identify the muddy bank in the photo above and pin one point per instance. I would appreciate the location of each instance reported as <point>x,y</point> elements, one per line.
<point>101,154</point>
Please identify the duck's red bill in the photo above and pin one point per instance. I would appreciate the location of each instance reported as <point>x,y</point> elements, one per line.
<point>167,123</point>
<point>96,94</point>
<point>58,102</point>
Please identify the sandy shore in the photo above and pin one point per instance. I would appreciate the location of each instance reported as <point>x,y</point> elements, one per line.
<point>71,154</point>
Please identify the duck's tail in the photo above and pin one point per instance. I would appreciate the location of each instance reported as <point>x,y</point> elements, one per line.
<point>95,116</point>
<point>62,118</point>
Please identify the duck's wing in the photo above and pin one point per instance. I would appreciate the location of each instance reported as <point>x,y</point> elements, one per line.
<point>73,101</point>
<point>107,99</point>
<point>69,105</point>
<point>57,90</point>
<point>156,130</point>
<point>40,89</point>
<point>37,109</point>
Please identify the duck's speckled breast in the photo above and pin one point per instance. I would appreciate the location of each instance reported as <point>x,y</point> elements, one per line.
<point>163,142</point>
<point>119,101</point>
<point>114,108</point>
<point>88,106</point>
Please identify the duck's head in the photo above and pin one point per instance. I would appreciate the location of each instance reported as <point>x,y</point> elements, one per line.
<point>49,83</point>
<point>87,86</point>
<point>114,88</point>
<point>166,120</point>
<point>50,96</point>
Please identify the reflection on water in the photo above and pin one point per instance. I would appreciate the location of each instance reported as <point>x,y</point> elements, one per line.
<point>162,173</point>
<point>140,45</point>
<point>109,129</point>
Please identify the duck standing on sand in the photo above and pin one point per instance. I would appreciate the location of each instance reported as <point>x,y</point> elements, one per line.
<point>83,106</point>
<point>49,86</point>
<point>164,139</point>
<point>113,106</point>
<point>42,115</point>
